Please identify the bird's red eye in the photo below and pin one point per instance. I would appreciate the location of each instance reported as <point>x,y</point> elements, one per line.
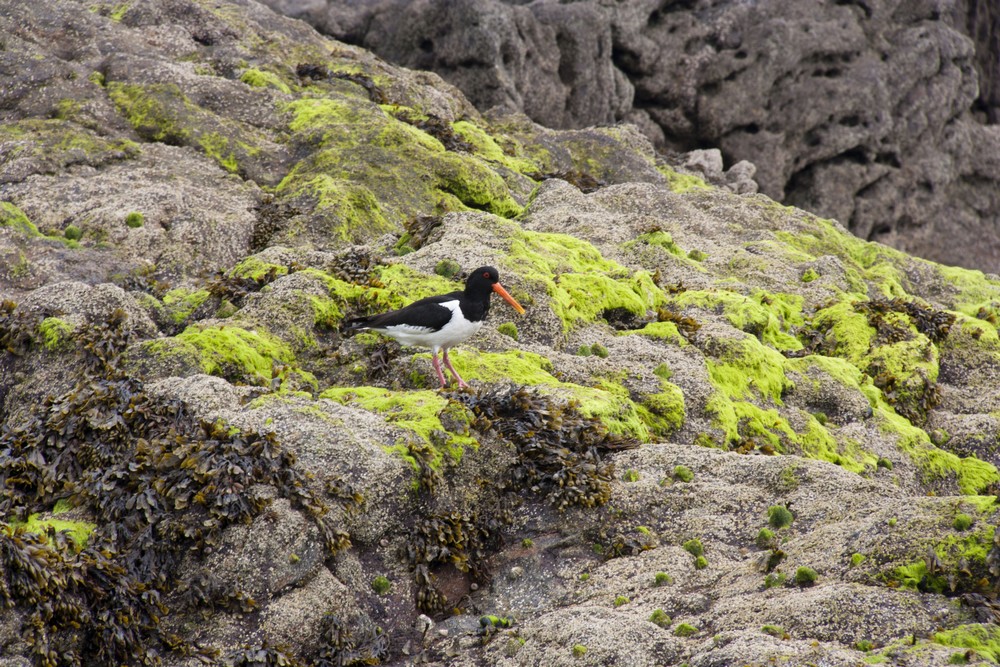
<point>486,274</point>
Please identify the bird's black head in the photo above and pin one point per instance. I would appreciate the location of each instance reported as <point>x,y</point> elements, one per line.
<point>483,282</point>
<point>482,279</point>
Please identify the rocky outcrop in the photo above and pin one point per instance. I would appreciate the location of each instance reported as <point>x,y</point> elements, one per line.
<point>725,430</point>
<point>879,114</point>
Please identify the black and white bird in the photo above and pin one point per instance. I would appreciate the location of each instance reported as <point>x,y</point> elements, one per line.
<point>441,322</point>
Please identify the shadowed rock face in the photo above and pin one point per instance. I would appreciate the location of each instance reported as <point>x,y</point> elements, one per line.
<point>880,114</point>
<point>725,431</point>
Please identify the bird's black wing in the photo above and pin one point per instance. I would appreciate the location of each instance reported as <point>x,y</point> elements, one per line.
<point>425,313</point>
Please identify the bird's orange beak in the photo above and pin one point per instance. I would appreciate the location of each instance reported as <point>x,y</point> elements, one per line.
<point>508,298</point>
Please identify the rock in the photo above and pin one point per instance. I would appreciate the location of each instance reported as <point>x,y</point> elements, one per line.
<point>695,360</point>
<point>880,117</point>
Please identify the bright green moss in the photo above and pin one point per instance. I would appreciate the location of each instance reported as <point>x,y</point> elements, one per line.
<point>580,283</point>
<point>694,547</point>
<point>970,474</point>
<point>508,329</point>
<point>662,330</point>
<point>179,303</point>
<point>217,147</point>
<point>962,522</point>
<point>865,263</point>
<point>227,350</point>
<point>664,411</point>
<point>79,530</point>
<point>680,183</point>
<point>486,147</point>
<point>134,220</point>
<point>779,516</point>
<point>809,275</point>
<point>73,233</point>
<point>747,369</point>
<point>417,412</point>
<point>973,290</point>
<point>13,217</point>
<point>608,401</point>
<point>981,638</point>
<point>658,238</point>
<point>765,315</point>
<point>261,79</point>
<point>255,268</point>
<point>384,168</point>
<point>55,333</point>
<point>406,285</point>
<point>805,576</point>
<point>161,112</point>
<point>685,630</point>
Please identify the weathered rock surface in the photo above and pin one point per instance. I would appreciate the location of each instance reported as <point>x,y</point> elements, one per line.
<point>725,432</point>
<point>882,114</point>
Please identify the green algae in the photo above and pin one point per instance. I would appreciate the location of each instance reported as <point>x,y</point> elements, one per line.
<point>485,146</point>
<point>180,303</point>
<point>666,331</point>
<point>866,263</point>
<point>13,217</point>
<point>420,413</point>
<point>367,160</point>
<point>681,183</point>
<point>161,112</point>
<point>581,284</point>
<point>982,638</point>
<point>606,400</point>
<point>79,530</point>
<point>767,316</point>
<point>746,368</point>
<point>55,333</point>
<point>263,79</point>
<point>229,350</point>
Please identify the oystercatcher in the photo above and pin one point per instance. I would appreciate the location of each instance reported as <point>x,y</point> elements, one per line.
<point>441,322</point>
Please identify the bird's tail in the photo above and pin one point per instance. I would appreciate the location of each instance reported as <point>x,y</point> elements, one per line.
<point>355,324</point>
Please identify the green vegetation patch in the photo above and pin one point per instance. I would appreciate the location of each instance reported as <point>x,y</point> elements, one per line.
<point>78,530</point>
<point>55,333</point>
<point>421,414</point>
<point>371,167</point>
<point>161,112</point>
<point>262,79</point>
<point>681,183</point>
<point>234,352</point>
<point>581,284</point>
<point>608,401</point>
<point>767,316</point>
<point>179,303</point>
<point>981,638</point>
<point>13,217</point>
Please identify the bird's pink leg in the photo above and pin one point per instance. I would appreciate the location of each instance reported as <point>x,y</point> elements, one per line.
<point>447,362</point>
<point>437,367</point>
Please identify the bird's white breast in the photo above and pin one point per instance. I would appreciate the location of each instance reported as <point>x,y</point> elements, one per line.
<point>454,332</point>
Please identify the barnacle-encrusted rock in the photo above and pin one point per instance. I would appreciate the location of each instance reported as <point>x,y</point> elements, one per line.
<point>245,472</point>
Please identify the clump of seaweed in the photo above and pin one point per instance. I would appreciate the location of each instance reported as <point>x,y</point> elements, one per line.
<point>16,327</point>
<point>418,230</point>
<point>686,326</point>
<point>461,540</point>
<point>261,656</point>
<point>343,645</point>
<point>935,324</point>
<point>320,72</point>
<point>560,451</point>
<point>236,288</point>
<point>160,483</point>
